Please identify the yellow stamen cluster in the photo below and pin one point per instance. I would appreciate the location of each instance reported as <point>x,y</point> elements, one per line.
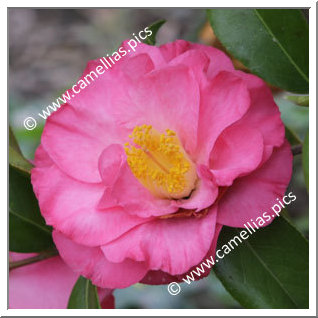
<point>160,163</point>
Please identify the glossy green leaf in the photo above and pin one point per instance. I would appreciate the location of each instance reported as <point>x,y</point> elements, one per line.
<point>16,158</point>
<point>27,229</point>
<point>305,159</point>
<point>295,118</point>
<point>269,269</point>
<point>13,142</point>
<point>151,40</point>
<point>272,43</point>
<point>84,295</point>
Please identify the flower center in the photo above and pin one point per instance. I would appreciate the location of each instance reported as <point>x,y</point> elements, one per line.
<point>160,163</point>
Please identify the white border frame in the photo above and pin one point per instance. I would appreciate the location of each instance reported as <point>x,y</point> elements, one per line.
<point>160,312</point>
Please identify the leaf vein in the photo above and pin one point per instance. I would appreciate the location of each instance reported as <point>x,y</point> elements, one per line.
<point>30,221</point>
<point>271,273</point>
<point>281,47</point>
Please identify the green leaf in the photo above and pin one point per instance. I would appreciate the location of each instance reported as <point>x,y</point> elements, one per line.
<point>295,118</point>
<point>269,269</point>
<point>27,229</point>
<point>84,295</point>
<point>13,142</point>
<point>305,160</point>
<point>16,158</point>
<point>272,43</point>
<point>299,100</point>
<point>292,137</point>
<point>151,40</point>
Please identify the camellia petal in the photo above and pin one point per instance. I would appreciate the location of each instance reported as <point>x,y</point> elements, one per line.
<point>158,100</point>
<point>256,193</point>
<point>160,277</point>
<point>73,208</point>
<point>171,245</point>
<point>263,115</point>
<point>232,155</point>
<point>91,263</point>
<point>220,107</point>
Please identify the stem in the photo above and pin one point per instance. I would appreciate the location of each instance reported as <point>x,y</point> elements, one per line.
<point>34,259</point>
<point>296,150</point>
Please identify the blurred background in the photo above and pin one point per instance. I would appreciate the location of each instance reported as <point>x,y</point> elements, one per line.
<point>48,51</point>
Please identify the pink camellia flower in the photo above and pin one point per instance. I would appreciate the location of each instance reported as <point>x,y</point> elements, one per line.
<point>45,285</point>
<point>138,173</point>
